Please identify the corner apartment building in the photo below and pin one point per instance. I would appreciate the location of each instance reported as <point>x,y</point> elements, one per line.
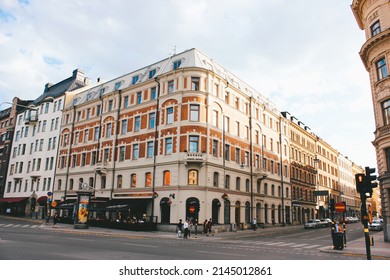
<point>374,18</point>
<point>180,138</point>
<point>34,149</point>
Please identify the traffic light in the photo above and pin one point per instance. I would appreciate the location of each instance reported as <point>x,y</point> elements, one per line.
<point>360,179</point>
<point>370,180</point>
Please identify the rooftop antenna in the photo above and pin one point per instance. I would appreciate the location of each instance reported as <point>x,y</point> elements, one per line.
<point>174,51</point>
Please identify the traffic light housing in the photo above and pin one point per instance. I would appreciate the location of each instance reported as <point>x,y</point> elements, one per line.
<point>360,179</point>
<point>370,180</point>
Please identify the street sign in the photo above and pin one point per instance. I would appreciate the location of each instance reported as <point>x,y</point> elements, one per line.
<point>340,207</point>
<point>49,193</point>
<point>321,193</point>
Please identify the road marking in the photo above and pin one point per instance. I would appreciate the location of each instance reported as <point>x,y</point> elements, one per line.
<point>34,226</point>
<point>311,246</point>
<point>286,244</point>
<point>25,226</point>
<point>299,245</point>
<point>275,243</point>
<point>216,253</point>
<point>9,225</point>
<point>16,226</point>
<point>141,245</point>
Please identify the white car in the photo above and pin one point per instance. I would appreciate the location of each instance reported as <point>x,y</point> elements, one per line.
<point>376,225</point>
<point>315,223</point>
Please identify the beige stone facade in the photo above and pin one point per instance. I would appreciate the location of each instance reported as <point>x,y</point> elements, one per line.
<point>182,138</point>
<point>373,16</point>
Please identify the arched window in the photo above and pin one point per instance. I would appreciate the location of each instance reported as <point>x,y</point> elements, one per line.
<point>266,189</point>
<point>148,179</point>
<point>247,185</point>
<point>119,182</point>
<point>273,190</point>
<point>81,181</point>
<point>133,180</point>
<point>238,183</point>
<point>71,184</point>
<point>59,184</point>
<point>91,182</point>
<point>167,178</point>
<point>192,177</point>
<point>227,182</point>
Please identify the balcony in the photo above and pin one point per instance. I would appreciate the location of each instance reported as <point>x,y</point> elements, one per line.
<point>101,168</point>
<point>32,117</point>
<point>194,157</point>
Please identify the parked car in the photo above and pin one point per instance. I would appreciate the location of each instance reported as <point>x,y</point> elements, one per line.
<point>315,223</point>
<point>326,222</point>
<point>376,225</point>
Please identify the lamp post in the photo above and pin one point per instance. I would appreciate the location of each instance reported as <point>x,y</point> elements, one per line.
<point>315,184</point>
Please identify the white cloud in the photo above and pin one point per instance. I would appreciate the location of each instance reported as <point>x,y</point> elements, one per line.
<point>301,54</point>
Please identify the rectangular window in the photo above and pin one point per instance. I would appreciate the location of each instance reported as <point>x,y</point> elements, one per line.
<point>117,85</point>
<point>194,83</point>
<point>194,144</point>
<point>93,157</point>
<point>171,87</point>
<point>108,130</point>
<point>237,155</point>
<point>168,146</point>
<point>137,123</point>
<point>139,97</point>
<point>170,115</point>
<point>135,151</point>
<point>194,113</point>
<point>237,128</point>
<point>98,110</point>
<point>122,153</point>
<point>381,69</point>
<point>375,28</point>
<point>97,133</point>
<point>227,152</point>
<point>110,105</point>
<point>106,155</point>
<point>227,124</point>
<point>215,148</point>
<point>152,120</point>
<point>126,102</point>
<point>83,159</point>
<point>153,93</point>
<point>124,127</point>
<point>150,149</point>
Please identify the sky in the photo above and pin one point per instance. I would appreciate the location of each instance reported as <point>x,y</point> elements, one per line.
<point>303,55</point>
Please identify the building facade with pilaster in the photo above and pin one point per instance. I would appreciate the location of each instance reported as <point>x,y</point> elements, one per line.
<point>373,17</point>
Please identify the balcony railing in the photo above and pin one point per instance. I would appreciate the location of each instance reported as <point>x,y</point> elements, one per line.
<point>194,157</point>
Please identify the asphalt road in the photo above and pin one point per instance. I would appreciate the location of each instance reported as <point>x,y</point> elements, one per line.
<point>26,240</point>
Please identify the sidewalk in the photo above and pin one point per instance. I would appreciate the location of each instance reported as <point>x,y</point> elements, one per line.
<point>380,250</point>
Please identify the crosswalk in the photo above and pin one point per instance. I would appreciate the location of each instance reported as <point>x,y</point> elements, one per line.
<point>280,244</point>
<point>18,226</point>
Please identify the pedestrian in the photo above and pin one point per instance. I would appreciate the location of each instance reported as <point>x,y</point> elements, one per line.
<point>179,229</point>
<point>209,227</point>
<point>189,228</point>
<point>186,227</point>
<point>196,227</point>
<point>205,226</point>
<point>55,220</point>
<point>47,219</point>
<point>254,224</point>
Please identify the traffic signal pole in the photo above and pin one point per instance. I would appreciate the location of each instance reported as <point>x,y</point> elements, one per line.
<point>365,224</point>
<point>364,185</point>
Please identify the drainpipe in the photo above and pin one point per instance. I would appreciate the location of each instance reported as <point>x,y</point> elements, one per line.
<point>69,151</point>
<point>281,167</point>
<point>156,138</point>
<point>116,142</point>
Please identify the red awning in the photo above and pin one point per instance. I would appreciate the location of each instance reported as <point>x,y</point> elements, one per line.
<point>13,199</point>
<point>42,200</point>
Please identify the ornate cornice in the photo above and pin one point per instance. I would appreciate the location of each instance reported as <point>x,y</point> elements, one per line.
<point>370,44</point>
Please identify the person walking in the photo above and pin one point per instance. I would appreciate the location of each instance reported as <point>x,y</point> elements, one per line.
<point>55,220</point>
<point>205,226</point>
<point>186,227</point>
<point>254,224</point>
<point>47,219</point>
<point>209,227</point>
<point>179,228</point>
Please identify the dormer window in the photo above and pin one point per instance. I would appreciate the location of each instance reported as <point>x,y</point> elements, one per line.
<point>135,79</point>
<point>152,73</point>
<point>176,64</point>
<point>117,85</point>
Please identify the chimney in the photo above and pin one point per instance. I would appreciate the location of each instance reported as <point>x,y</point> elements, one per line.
<point>78,75</point>
<point>47,86</point>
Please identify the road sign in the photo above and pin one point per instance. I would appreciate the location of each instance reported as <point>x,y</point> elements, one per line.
<point>340,207</point>
<point>49,193</point>
<point>53,204</point>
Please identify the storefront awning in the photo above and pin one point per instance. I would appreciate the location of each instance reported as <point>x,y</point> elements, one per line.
<point>13,199</point>
<point>42,200</point>
<point>67,203</point>
<point>124,204</point>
